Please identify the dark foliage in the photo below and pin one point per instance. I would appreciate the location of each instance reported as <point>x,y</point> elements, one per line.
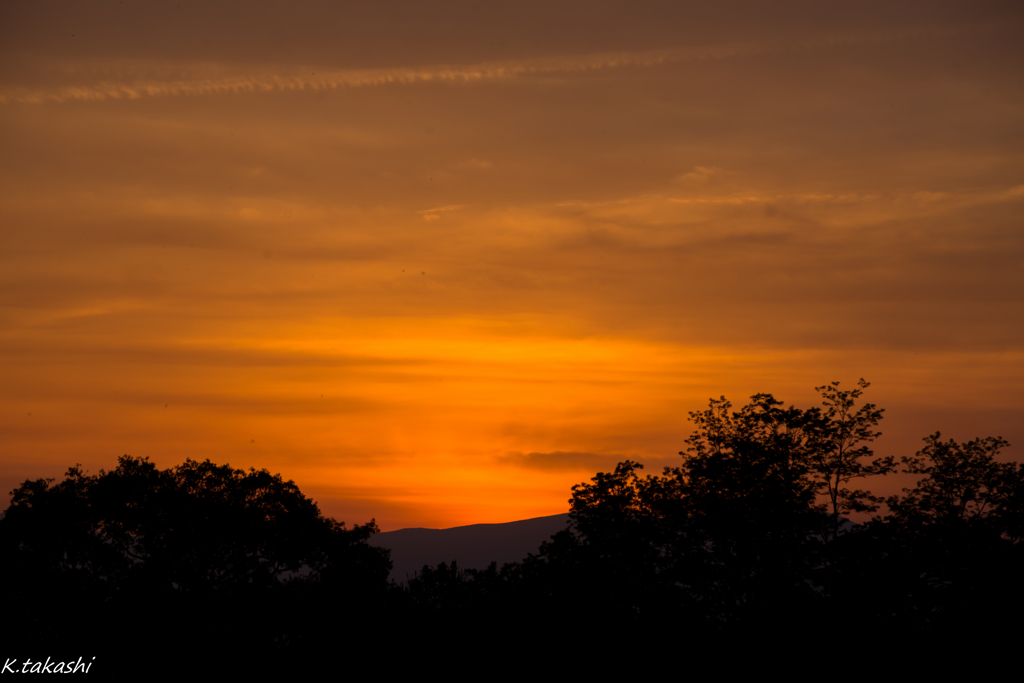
<point>200,556</point>
<point>747,535</point>
<point>750,534</point>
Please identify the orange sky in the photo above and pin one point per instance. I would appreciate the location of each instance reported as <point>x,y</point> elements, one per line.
<point>437,263</point>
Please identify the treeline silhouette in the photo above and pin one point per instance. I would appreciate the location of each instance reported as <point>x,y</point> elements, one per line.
<point>752,532</point>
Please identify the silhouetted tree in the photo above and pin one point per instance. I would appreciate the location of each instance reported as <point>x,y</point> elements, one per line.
<point>842,452</point>
<point>737,531</point>
<point>961,486</point>
<point>743,534</point>
<point>748,485</point>
<point>956,533</point>
<point>199,549</point>
<point>610,555</point>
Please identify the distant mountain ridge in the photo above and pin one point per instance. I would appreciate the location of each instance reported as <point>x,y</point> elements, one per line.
<point>474,546</point>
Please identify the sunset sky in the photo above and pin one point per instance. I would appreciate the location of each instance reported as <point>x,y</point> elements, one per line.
<point>439,261</point>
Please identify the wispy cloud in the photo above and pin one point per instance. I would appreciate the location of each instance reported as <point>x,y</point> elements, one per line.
<point>138,80</point>
<point>475,164</point>
<point>438,211</point>
<point>700,174</point>
<point>213,79</point>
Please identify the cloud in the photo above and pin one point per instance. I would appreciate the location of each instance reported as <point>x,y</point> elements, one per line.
<point>143,78</point>
<point>700,174</point>
<point>439,211</point>
<point>211,79</point>
<point>561,461</point>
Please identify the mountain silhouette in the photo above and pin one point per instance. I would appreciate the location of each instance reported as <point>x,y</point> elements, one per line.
<point>474,546</point>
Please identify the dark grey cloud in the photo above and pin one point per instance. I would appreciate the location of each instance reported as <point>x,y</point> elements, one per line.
<point>562,460</point>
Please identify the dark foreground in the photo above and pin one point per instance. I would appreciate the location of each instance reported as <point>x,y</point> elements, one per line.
<point>205,568</point>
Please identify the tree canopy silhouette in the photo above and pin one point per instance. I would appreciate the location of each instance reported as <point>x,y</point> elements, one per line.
<point>962,485</point>
<point>736,528</point>
<point>201,544</point>
<point>751,531</point>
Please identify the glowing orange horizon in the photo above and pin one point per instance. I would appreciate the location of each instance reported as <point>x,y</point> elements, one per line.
<point>437,281</point>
